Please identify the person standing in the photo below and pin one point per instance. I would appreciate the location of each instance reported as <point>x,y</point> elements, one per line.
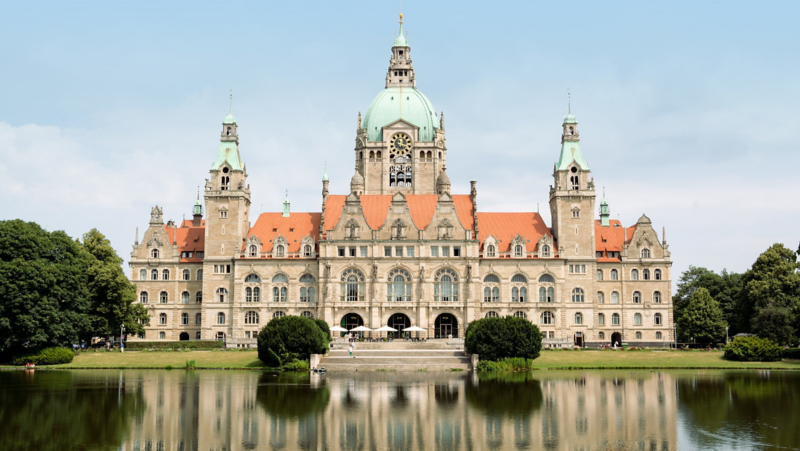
<point>350,349</point>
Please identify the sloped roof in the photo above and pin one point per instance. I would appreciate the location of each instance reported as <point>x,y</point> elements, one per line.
<point>294,227</point>
<point>506,226</point>
<point>189,239</point>
<point>611,238</point>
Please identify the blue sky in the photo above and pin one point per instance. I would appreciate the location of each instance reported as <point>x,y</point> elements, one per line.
<point>688,110</point>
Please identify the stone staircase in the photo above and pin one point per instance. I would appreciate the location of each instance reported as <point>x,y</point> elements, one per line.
<point>431,356</point>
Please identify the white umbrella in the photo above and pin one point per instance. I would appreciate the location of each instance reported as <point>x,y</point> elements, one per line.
<point>338,329</point>
<point>386,329</point>
<point>361,329</point>
<point>414,329</point>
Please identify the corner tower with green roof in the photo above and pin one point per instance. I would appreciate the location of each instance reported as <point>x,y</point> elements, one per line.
<point>400,144</point>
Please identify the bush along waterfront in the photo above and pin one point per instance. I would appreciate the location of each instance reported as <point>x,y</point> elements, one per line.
<point>753,349</point>
<point>46,356</point>
<point>289,341</point>
<point>498,339</point>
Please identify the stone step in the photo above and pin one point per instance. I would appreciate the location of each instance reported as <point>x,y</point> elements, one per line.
<point>399,352</point>
<point>391,361</point>
<point>397,367</point>
<point>401,345</point>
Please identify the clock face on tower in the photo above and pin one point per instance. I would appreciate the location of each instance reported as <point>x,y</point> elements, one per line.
<point>400,146</point>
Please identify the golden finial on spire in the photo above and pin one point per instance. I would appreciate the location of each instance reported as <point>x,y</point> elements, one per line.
<point>401,18</point>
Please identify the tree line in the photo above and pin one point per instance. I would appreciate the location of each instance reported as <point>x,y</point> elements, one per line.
<point>764,300</point>
<point>55,290</point>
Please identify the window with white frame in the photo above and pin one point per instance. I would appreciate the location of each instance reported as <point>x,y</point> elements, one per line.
<point>634,274</point>
<point>222,294</point>
<point>637,319</point>
<point>251,317</point>
<point>398,286</point>
<point>307,314</point>
<point>220,318</point>
<point>615,319</point>
<point>577,295</point>
<point>165,274</point>
<point>163,297</point>
<point>657,297</point>
<point>578,318</point>
<point>519,290</point>
<point>154,253</point>
<point>143,274</point>
<point>545,251</point>
<point>614,297</point>
<point>520,314</point>
<point>657,274</point>
<point>198,297</point>
<point>278,314</point>
<point>614,274</point>
<point>185,296</point>
<point>547,318</point>
<point>646,274</point>
<point>645,253</point>
<point>638,335</point>
<point>657,319</point>
<point>490,250</point>
<point>185,319</point>
<point>492,314</point>
<point>637,297</point>
<point>162,319</point>
<point>601,298</point>
<point>143,297</point>
<point>352,285</point>
<point>445,286</point>
<point>187,275</point>
<point>491,288</point>
<point>599,274</point>
<point>601,319</point>
<point>198,319</point>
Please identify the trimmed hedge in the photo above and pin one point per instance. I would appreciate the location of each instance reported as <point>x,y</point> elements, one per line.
<point>196,344</point>
<point>324,326</point>
<point>500,338</point>
<point>289,338</point>
<point>791,353</point>
<point>753,349</point>
<point>46,356</point>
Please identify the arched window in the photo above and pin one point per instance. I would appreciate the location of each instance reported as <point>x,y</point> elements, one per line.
<point>637,319</point>
<point>490,250</point>
<point>187,275</point>
<point>198,319</point>
<point>574,180</point>
<point>519,278</point>
<point>253,250</point>
<point>491,278</point>
<point>578,318</point>
<point>601,319</point>
<point>519,314</point>
<point>614,274</point>
<point>154,274</point>
<point>220,318</point>
<point>637,297</point>
<point>398,287</point>
<point>445,285</point>
<point>279,250</point>
<point>657,274</point>
<point>185,297</point>
<point>162,319</point>
<point>657,319</point>
<point>614,297</point>
<point>615,319</point>
<point>600,297</point>
<point>646,274</point>
<point>199,274</point>
<point>184,319</point>
<point>248,294</point>
<point>491,292</point>
<point>634,274</point>
<point>280,278</point>
<point>545,251</point>
<point>222,294</point>
<point>307,314</point>
<point>278,314</point>
<point>163,297</point>
<point>225,183</point>
<point>492,315</point>
<point>638,335</point>
<point>165,274</point>
<point>307,292</point>
<point>518,250</point>
<point>599,274</point>
<point>198,297</point>
<point>352,285</point>
<point>601,336</point>
<point>645,253</point>
<point>546,278</point>
<point>547,318</point>
<point>307,278</point>
<point>251,318</point>
<point>546,294</point>
<point>307,251</point>
<point>658,335</point>
<point>143,297</point>
<point>154,253</point>
<point>577,295</point>
<point>657,297</point>
<point>143,274</point>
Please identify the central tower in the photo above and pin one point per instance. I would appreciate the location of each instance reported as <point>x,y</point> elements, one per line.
<point>400,144</point>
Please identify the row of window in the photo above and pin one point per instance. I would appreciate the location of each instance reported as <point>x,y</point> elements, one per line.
<point>645,253</point>
<point>548,318</point>
<point>634,274</point>
<point>155,253</point>
<point>250,317</point>
<point>519,251</point>
<point>165,274</point>
<point>399,251</point>
<point>280,251</point>
<point>251,294</point>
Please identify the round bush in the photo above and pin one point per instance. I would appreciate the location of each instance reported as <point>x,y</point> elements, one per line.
<point>323,325</point>
<point>753,349</point>
<point>499,338</point>
<point>290,338</point>
<point>46,356</point>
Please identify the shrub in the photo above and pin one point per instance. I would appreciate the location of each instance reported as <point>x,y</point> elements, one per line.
<point>290,338</point>
<point>194,344</point>
<point>297,365</point>
<point>499,338</point>
<point>753,349</point>
<point>323,325</point>
<point>512,364</point>
<point>46,356</point>
<point>791,353</point>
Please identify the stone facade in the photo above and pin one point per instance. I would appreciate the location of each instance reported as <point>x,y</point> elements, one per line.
<point>401,250</point>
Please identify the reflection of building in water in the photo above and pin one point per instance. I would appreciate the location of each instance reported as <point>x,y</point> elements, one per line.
<point>567,410</point>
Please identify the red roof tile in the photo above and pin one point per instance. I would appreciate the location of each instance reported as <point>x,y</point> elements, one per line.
<point>375,208</point>
<point>609,239</point>
<point>333,211</point>
<point>506,226</point>
<point>189,239</point>
<point>463,204</point>
<point>294,228</point>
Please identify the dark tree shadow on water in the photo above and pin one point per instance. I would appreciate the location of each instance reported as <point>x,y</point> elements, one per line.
<point>292,395</point>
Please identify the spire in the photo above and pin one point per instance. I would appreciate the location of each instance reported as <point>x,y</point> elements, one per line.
<point>441,120</point>
<point>570,142</point>
<point>400,40</point>
<point>401,72</point>
<point>605,213</point>
<point>286,205</point>
<point>198,206</point>
<point>325,175</point>
<point>229,119</point>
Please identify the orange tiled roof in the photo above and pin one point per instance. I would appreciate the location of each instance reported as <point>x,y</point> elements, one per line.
<point>294,228</point>
<point>506,226</point>
<point>333,210</point>
<point>375,208</point>
<point>189,239</point>
<point>609,239</point>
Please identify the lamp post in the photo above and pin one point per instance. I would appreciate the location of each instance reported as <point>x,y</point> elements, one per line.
<point>121,335</point>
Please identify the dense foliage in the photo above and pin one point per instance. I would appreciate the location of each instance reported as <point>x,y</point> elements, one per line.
<point>753,349</point>
<point>46,356</point>
<point>702,318</point>
<point>775,323</point>
<point>722,287</point>
<point>323,325</point>
<point>499,338</point>
<point>791,353</point>
<point>289,338</point>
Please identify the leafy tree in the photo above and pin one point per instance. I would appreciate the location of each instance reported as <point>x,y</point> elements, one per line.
<point>498,338</point>
<point>44,299</point>
<point>702,319</point>
<point>290,338</point>
<point>773,279</point>
<point>323,325</point>
<point>723,288</point>
<point>775,323</point>
<point>112,295</point>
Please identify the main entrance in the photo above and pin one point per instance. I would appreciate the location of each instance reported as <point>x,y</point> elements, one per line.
<point>578,339</point>
<point>351,321</point>
<point>398,321</point>
<point>184,336</point>
<point>445,325</point>
<point>616,337</point>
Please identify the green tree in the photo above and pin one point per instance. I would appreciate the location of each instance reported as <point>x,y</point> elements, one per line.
<point>723,288</point>
<point>702,319</point>
<point>775,323</point>
<point>112,295</point>
<point>290,338</point>
<point>44,299</point>
<point>499,338</point>
<point>773,279</point>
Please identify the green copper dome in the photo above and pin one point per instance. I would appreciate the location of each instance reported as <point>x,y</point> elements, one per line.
<point>396,103</point>
<point>229,119</point>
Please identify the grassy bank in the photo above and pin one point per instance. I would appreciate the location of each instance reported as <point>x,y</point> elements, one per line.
<point>548,360</point>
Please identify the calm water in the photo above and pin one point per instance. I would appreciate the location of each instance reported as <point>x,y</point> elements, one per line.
<point>237,410</point>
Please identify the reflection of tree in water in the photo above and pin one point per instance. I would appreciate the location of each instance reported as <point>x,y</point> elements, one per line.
<point>509,394</point>
<point>400,398</point>
<point>291,395</point>
<point>757,407</point>
<point>446,396</point>
<point>57,410</point>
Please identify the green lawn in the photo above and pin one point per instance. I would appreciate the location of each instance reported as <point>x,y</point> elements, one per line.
<point>138,359</point>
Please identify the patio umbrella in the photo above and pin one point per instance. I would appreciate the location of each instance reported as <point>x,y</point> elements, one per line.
<point>386,329</point>
<point>415,329</point>
<point>361,329</point>
<point>338,329</point>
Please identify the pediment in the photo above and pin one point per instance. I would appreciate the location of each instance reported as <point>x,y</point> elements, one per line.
<point>400,124</point>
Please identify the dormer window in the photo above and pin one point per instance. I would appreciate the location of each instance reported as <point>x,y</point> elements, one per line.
<point>253,251</point>
<point>490,251</point>
<point>518,251</point>
<point>545,251</point>
<point>279,250</point>
<point>154,253</point>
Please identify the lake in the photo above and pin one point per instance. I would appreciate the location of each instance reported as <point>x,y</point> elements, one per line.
<point>160,410</point>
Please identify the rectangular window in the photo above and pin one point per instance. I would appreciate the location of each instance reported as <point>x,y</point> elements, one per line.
<point>583,269</point>
<point>571,269</point>
<point>341,252</point>
<point>456,251</point>
<point>409,251</point>
<point>434,251</point>
<point>387,251</point>
<point>552,334</point>
<point>598,254</point>
<point>363,251</point>
<point>200,254</point>
<point>398,251</point>
<point>216,269</point>
<point>247,334</point>
<point>352,252</point>
<point>228,269</point>
<point>445,251</point>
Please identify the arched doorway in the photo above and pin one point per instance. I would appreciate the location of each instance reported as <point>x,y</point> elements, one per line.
<point>445,324</point>
<point>616,337</point>
<point>398,321</point>
<point>578,339</point>
<point>184,336</point>
<point>351,321</point>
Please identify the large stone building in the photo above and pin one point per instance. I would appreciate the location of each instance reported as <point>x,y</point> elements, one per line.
<point>401,249</point>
